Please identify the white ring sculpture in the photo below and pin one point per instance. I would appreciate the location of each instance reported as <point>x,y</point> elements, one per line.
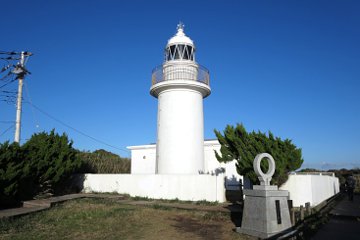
<point>264,178</point>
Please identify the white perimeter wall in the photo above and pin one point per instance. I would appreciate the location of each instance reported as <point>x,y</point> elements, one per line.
<point>313,188</point>
<point>183,187</point>
<point>302,188</point>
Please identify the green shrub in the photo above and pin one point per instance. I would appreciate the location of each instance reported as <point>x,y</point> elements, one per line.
<point>44,164</point>
<point>53,160</point>
<point>242,146</point>
<point>11,172</point>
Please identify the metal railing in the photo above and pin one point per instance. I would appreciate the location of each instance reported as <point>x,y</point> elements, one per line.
<point>314,173</point>
<point>174,72</point>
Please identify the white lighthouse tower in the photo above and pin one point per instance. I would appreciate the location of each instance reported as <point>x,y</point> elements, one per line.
<point>180,84</point>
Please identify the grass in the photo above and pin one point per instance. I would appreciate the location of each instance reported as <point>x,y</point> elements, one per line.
<point>109,219</point>
<point>176,200</point>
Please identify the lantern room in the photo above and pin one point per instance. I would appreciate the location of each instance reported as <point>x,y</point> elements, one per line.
<point>180,47</point>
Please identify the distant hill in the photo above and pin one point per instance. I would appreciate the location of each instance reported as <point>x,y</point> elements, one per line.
<point>102,161</point>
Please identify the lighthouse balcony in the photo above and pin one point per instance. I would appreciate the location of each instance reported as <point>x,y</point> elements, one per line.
<point>191,72</point>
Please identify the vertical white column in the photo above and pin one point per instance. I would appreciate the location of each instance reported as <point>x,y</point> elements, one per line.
<point>180,142</point>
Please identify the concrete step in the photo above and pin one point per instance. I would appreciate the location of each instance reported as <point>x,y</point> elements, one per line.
<point>15,212</point>
<point>36,203</point>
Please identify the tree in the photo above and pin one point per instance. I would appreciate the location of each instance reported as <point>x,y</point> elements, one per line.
<point>309,170</point>
<point>53,160</point>
<point>44,164</point>
<point>11,172</point>
<point>237,144</point>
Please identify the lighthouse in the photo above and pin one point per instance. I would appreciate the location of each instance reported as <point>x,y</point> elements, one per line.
<point>180,84</point>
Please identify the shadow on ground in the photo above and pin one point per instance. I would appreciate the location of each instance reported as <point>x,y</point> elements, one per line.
<point>204,231</point>
<point>235,197</point>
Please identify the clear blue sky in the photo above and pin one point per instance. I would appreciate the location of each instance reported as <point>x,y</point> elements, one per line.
<point>292,67</point>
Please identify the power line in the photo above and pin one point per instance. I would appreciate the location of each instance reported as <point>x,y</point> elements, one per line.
<point>23,71</point>
<point>7,122</point>
<point>74,129</point>
<point>9,74</point>
<point>32,108</point>
<point>9,58</point>
<point>9,53</point>
<point>20,71</point>
<point>12,126</point>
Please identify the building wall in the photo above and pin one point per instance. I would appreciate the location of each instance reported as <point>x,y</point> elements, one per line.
<point>211,164</point>
<point>182,187</point>
<point>313,188</point>
<point>302,188</point>
<point>143,161</point>
<point>233,180</point>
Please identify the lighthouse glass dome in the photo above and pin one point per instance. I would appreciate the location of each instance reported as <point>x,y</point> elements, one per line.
<point>179,62</point>
<point>180,46</point>
<point>179,52</point>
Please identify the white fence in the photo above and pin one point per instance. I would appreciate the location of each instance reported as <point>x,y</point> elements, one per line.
<point>183,187</point>
<point>314,187</point>
<point>311,187</point>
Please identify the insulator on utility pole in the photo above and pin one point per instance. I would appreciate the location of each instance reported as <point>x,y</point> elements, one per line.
<point>21,75</point>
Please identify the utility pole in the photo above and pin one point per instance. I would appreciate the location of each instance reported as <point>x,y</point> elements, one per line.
<point>21,75</point>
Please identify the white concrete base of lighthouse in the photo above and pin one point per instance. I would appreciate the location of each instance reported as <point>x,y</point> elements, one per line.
<point>182,187</point>
<point>180,140</point>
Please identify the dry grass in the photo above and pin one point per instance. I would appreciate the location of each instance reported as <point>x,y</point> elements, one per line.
<point>108,219</point>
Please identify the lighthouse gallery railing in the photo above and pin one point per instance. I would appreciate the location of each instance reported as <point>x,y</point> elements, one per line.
<point>174,72</point>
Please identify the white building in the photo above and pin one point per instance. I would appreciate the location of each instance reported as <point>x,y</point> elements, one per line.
<point>143,161</point>
<point>182,165</point>
<point>180,84</point>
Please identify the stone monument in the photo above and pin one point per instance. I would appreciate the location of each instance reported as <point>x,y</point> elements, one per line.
<point>266,211</point>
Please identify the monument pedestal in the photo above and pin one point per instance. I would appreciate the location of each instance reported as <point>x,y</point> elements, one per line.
<point>266,211</point>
